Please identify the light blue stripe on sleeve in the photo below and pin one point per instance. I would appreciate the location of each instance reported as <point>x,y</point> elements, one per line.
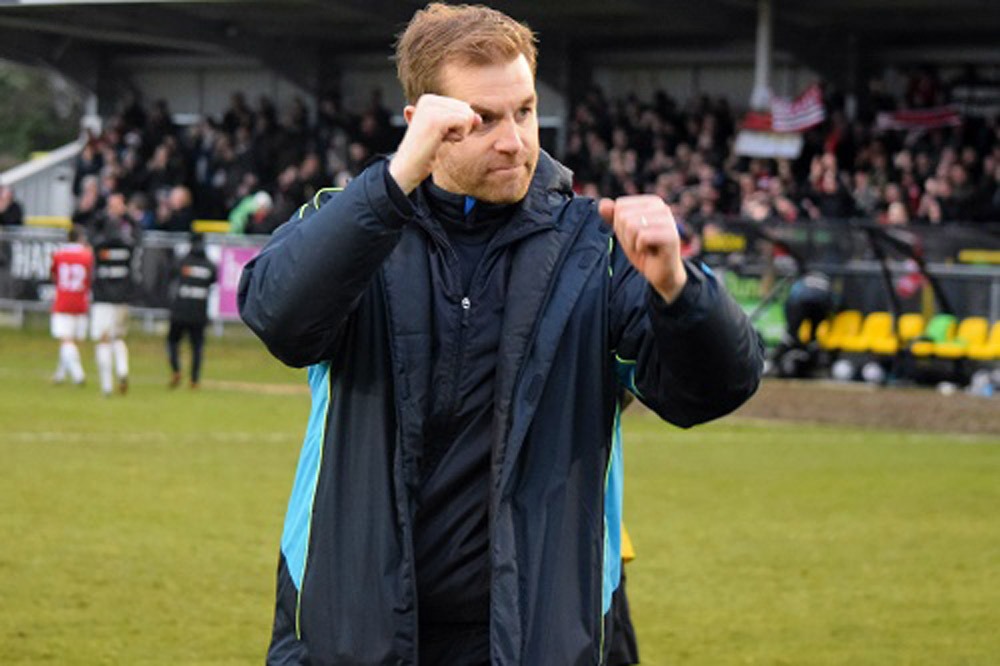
<point>613,492</point>
<point>298,519</point>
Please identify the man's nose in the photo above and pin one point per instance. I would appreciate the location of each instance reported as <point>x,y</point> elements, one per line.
<point>508,138</point>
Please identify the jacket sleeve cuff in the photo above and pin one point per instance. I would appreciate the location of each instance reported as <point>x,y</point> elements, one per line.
<point>686,302</point>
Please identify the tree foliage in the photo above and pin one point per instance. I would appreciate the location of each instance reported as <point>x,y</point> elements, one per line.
<point>38,111</point>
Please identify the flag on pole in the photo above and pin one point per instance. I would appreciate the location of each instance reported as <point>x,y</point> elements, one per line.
<point>778,133</point>
<point>800,114</point>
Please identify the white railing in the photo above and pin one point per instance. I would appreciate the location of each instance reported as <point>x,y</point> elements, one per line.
<point>44,185</point>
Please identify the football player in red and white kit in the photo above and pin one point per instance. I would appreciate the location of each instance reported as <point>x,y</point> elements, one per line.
<point>72,270</point>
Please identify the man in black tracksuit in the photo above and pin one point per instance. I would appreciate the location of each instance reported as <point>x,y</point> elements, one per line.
<point>194,277</point>
<point>468,325</point>
<point>115,249</point>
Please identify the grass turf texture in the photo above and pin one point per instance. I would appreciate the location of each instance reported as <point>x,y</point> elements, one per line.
<point>144,529</point>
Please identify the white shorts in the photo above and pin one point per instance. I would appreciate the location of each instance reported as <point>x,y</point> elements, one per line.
<point>108,320</point>
<point>68,326</point>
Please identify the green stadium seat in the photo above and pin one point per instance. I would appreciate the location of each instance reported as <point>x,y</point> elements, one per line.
<point>940,328</point>
<point>971,330</point>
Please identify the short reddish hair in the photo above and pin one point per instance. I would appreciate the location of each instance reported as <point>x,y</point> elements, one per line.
<point>441,34</point>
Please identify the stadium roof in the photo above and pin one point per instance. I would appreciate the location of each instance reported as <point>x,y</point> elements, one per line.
<point>294,37</point>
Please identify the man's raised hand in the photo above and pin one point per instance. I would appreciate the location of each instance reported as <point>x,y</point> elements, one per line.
<point>647,233</point>
<point>431,122</point>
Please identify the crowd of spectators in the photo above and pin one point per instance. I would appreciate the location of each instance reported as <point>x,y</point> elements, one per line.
<point>255,166</point>
<point>847,168</point>
<point>251,161</point>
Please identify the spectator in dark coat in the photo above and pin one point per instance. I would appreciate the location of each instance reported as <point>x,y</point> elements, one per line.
<point>11,213</point>
<point>89,205</point>
<point>178,212</point>
<point>831,199</point>
<point>193,278</point>
<point>88,163</point>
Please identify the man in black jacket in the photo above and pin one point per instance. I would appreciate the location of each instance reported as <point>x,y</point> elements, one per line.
<point>192,280</point>
<point>114,255</point>
<point>468,326</point>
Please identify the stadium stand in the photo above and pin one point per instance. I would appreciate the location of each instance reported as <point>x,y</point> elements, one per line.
<point>924,159</point>
<point>848,169</point>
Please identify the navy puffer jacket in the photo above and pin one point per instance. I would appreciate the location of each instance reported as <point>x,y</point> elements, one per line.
<point>345,288</point>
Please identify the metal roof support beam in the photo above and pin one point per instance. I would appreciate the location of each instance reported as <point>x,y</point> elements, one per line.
<point>760,96</point>
<point>294,61</point>
<point>66,56</point>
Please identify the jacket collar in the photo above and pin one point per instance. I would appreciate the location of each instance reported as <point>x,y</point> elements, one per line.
<point>551,179</point>
<point>551,183</point>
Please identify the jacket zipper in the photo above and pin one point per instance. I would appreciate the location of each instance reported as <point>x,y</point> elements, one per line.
<point>492,247</point>
<point>440,239</point>
<point>466,305</point>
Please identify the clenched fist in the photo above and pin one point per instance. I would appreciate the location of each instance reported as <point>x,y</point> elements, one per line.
<point>647,233</point>
<point>433,121</point>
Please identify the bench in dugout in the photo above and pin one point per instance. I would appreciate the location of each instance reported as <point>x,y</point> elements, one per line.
<point>951,349</point>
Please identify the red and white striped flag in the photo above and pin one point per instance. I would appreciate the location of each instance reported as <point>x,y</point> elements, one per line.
<point>919,119</point>
<point>799,114</point>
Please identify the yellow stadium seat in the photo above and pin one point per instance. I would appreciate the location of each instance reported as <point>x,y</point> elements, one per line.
<point>822,331</point>
<point>989,349</point>
<point>876,326</point>
<point>971,330</point>
<point>845,323</point>
<point>909,326</point>
<point>805,332</point>
<point>940,328</point>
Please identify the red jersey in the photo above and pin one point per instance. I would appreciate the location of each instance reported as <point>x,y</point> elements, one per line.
<point>72,269</point>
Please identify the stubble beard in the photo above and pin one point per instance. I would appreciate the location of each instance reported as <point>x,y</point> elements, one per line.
<point>485,186</point>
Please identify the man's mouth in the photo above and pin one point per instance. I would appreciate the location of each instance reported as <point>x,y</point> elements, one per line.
<point>503,170</point>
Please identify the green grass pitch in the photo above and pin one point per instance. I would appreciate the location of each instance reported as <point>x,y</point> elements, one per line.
<point>144,529</point>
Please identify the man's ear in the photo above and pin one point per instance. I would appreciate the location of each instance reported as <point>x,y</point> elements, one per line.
<point>408,113</point>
